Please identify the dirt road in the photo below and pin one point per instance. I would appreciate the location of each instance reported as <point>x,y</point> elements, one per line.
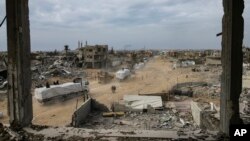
<point>156,76</point>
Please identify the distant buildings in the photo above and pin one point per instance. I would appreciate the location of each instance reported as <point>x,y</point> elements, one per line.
<point>94,56</point>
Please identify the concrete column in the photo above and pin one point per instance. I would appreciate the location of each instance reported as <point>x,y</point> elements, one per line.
<point>19,78</point>
<point>231,82</point>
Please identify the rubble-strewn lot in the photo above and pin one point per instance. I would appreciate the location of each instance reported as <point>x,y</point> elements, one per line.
<point>42,133</point>
<point>156,76</point>
<point>179,81</point>
<point>161,120</point>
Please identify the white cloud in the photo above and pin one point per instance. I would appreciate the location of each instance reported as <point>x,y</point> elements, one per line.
<point>153,23</point>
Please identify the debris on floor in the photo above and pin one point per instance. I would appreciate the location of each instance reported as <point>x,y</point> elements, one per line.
<point>112,114</point>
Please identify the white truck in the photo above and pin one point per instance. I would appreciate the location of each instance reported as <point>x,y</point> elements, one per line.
<point>63,91</point>
<point>122,74</point>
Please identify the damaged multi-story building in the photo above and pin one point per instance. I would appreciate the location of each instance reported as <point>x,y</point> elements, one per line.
<point>94,56</point>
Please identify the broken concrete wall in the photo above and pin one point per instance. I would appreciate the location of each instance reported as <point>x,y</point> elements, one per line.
<point>205,119</point>
<point>196,112</point>
<point>81,113</point>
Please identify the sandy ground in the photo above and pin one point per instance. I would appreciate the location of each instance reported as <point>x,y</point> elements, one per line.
<point>156,76</point>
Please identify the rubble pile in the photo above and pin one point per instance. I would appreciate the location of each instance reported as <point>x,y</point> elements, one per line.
<point>160,120</point>
<point>3,79</point>
<point>4,135</point>
<point>245,102</point>
<point>9,134</point>
<point>45,68</point>
<point>200,69</point>
<point>211,91</point>
<point>245,99</point>
<point>196,89</point>
<point>209,120</point>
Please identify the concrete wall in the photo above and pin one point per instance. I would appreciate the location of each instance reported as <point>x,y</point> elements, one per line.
<point>81,113</point>
<point>204,119</point>
<point>196,112</point>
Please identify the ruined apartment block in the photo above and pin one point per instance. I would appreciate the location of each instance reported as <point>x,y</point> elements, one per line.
<point>94,56</point>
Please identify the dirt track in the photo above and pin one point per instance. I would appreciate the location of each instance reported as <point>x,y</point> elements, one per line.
<point>156,76</point>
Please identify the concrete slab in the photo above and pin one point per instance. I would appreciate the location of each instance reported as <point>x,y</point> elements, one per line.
<point>87,133</point>
<point>196,112</point>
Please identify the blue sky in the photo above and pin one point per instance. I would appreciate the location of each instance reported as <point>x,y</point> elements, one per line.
<point>130,24</point>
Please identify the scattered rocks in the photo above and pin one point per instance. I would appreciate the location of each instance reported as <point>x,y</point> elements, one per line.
<point>39,127</point>
<point>128,133</point>
<point>4,135</point>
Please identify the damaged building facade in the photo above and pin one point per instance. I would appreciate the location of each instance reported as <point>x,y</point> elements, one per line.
<point>94,56</point>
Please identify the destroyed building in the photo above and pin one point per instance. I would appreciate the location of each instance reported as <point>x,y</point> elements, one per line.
<point>94,56</point>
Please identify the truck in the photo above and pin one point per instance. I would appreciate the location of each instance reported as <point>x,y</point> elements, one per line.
<point>123,74</point>
<point>62,91</point>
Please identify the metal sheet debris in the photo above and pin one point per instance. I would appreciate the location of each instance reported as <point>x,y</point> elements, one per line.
<point>141,102</point>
